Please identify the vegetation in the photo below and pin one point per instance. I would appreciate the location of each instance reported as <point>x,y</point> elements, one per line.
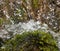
<point>1,22</point>
<point>12,12</point>
<point>31,41</point>
<point>46,11</point>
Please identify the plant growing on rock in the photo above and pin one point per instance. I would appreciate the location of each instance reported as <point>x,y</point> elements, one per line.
<point>31,41</point>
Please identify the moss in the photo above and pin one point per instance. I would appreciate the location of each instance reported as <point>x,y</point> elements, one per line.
<point>1,21</point>
<point>32,41</point>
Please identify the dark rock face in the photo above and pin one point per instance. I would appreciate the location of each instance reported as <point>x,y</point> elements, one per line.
<point>1,42</point>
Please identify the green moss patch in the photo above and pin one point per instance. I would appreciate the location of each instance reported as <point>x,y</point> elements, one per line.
<point>32,41</point>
